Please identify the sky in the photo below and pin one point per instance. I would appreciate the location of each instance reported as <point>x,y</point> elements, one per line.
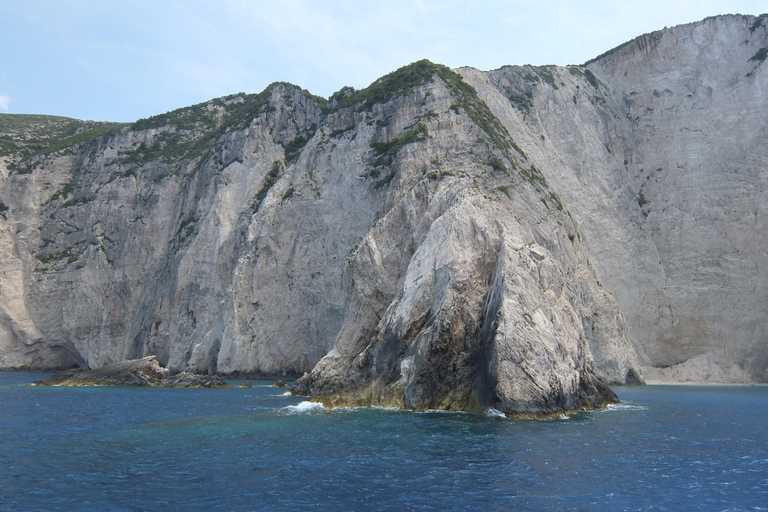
<point>122,60</point>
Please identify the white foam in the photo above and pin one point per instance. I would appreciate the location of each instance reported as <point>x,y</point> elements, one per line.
<point>439,411</point>
<point>305,406</point>
<point>626,407</point>
<point>287,393</point>
<point>495,413</point>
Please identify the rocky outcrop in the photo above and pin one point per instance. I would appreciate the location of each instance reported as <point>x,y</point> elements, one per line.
<point>485,316</point>
<point>376,226</point>
<point>138,372</point>
<point>439,239</point>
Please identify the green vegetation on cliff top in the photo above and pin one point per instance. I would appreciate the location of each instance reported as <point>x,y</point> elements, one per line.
<point>402,81</point>
<point>233,112</point>
<point>24,135</point>
<point>191,132</point>
<point>388,87</point>
<point>198,127</point>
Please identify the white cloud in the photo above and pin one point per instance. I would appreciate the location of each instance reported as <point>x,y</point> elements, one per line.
<point>5,102</point>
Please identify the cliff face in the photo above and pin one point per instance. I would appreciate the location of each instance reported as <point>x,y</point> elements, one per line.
<point>399,225</point>
<point>697,161</point>
<point>660,157</point>
<point>473,290</point>
<point>141,242</point>
<point>419,243</point>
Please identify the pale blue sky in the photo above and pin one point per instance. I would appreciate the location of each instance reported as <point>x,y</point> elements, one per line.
<point>123,60</point>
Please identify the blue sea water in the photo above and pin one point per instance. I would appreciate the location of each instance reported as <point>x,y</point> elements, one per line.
<point>242,449</point>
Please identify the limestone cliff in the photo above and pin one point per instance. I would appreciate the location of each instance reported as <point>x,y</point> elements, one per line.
<point>436,240</point>
<point>658,150</point>
<point>133,372</point>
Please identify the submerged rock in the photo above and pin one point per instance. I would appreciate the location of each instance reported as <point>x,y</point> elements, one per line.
<point>136,372</point>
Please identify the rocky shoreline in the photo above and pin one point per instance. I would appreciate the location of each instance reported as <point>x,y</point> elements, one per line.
<point>518,239</point>
<point>136,372</point>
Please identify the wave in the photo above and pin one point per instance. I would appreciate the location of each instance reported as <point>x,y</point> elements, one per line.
<point>626,407</point>
<point>305,406</point>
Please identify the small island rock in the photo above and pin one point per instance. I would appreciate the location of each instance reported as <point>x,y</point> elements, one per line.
<point>136,372</point>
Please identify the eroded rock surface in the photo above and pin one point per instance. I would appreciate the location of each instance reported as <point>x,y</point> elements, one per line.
<point>660,156</point>
<point>137,372</point>
<point>438,240</point>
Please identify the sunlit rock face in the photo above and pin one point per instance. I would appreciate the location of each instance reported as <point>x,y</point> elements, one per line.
<point>660,156</point>
<point>514,239</point>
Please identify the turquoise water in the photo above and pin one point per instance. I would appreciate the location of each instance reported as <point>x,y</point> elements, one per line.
<point>239,449</point>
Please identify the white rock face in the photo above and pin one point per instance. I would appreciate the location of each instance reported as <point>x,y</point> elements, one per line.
<point>662,161</point>
<point>422,248</point>
<point>408,236</point>
<point>700,164</point>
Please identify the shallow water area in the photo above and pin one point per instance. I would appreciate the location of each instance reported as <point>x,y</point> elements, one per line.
<point>663,448</point>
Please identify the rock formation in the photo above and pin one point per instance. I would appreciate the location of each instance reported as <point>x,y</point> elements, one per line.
<point>440,239</point>
<point>658,150</point>
<point>136,372</point>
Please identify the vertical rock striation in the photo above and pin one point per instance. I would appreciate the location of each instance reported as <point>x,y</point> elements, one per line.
<point>657,148</point>
<point>440,239</point>
<point>473,290</point>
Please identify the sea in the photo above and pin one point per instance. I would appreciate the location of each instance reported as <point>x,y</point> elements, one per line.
<point>664,448</point>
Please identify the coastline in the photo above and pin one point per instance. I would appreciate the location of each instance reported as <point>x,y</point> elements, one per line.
<point>661,382</point>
